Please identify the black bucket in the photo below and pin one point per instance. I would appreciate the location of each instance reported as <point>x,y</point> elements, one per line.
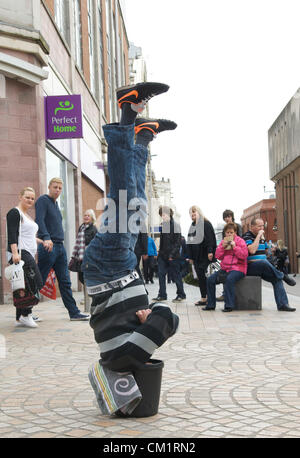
<point>148,379</point>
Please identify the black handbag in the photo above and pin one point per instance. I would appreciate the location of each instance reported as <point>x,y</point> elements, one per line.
<point>30,296</point>
<point>222,276</point>
<point>75,265</point>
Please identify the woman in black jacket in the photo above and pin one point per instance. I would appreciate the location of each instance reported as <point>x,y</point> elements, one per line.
<point>201,247</point>
<point>86,232</point>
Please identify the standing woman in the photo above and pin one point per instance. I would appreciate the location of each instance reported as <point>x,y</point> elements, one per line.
<point>22,244</point>
<point>86,232</point>
<point>282,257</point>
<point>201,246</point>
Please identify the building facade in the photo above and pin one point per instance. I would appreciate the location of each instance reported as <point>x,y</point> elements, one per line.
<point>58,47</point>
<point>284,168</point>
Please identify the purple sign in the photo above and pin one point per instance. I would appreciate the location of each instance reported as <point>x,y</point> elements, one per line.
<point>63,116</point>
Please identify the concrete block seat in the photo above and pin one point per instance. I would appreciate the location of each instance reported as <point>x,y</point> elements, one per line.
<point>248,294</point>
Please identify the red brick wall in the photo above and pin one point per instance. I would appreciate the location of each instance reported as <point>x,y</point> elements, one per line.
<point>21,141</point>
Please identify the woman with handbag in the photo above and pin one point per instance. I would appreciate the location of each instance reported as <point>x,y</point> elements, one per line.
<point>201,245</point>
<point>233,253</point>
<point>85,235</point>
<point>22,245</point>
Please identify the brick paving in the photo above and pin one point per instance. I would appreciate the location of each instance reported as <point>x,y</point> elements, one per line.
<point>226,375</point>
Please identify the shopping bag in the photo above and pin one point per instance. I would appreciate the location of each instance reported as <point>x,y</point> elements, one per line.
<point>15,274</point>
<point>49,289</point>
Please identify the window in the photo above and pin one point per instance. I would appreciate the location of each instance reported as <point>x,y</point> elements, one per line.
<point>78,33</point>
<point>61,11</point>
<point>109,73</point>
<point>101,56</point>
<point>91,45</point>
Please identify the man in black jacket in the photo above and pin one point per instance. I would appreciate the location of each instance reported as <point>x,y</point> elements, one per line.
<point>169,254</point>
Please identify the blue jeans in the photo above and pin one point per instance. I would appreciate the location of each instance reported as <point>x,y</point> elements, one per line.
<point>110,255</point>
<point>57,259</point>
<point>268,272</point>
<point>163,267</point>
<point>229,289</point>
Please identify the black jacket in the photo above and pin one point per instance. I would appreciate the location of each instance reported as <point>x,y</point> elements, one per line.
<point>199,252</point>
<point>89,233</point>
<point>141,246</point>
<point>170,240</point>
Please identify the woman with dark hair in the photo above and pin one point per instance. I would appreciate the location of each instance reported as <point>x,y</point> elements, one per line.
<point>201,246</point>
<point>233,253</point>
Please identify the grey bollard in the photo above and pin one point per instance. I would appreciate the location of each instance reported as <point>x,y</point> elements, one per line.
<point>248,294</point>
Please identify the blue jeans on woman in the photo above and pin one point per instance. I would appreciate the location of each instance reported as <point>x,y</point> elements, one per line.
<point>268,272</point>
<point>110,255</point>
<point>229,289</point>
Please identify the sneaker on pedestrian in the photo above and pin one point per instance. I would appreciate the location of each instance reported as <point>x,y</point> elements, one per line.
<point>36,319</point>
<point>139,94</point>
<point>80,317</point>
<point>159,299</point>
<point>154,125</point>
<point>220,299</point>
<point>27,321</point>
<point>178,299</point>
<point>289,280</point>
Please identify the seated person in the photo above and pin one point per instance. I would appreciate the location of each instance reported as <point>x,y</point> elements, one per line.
<point>126,338</point>
<point>233,252</point>
<point>258,265</point>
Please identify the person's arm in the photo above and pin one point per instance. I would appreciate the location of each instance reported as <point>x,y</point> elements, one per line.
<point>40,216</point>
<point>240,249</point>
<point>13,224</point>
<point>220,251</point>
<point>253,247</point>
<point>210,239</point>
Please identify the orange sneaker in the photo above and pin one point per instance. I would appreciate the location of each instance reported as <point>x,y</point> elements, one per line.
<point>154,125</point>
<point>139,94</point>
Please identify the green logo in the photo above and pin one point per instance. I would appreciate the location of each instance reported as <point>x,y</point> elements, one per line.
<point>64,106</point>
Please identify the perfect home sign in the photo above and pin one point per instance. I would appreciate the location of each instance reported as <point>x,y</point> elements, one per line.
<point>63,116</point>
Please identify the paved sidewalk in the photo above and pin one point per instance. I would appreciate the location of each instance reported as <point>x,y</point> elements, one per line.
<point>226,375</point>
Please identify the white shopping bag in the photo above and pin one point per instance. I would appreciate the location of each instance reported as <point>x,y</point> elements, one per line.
<point>15,274</point>
<point>194,272</point>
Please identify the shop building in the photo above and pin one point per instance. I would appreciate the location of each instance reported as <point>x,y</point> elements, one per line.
<point>57,48</point>
<point>284,167</point>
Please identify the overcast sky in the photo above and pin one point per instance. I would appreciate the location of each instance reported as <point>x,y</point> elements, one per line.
<point>232,66</point>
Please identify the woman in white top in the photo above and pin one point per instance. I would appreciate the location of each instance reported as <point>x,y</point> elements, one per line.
<point>22,244</point>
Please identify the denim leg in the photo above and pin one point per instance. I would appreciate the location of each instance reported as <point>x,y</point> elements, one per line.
<point>57,259</point>
<point>211,290</point>
<point>229,287</point>
<point>61,270</point>
<point>140,202</point>
<point>267,272</point>
<point>162,272</point>
<point>110,254</point>
<point>176,275</point>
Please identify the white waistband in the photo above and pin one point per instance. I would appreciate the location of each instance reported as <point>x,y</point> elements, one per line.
<point>108,286</point>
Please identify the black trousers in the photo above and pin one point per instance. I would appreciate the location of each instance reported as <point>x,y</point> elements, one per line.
<point>148,266</point>
<point>200,271</point>
<point>29,262</point>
